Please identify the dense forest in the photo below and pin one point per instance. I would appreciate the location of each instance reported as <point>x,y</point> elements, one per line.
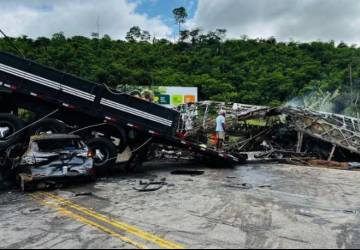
<point>254,71</point>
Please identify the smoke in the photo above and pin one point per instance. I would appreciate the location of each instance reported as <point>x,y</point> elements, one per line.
<point>343,102</point>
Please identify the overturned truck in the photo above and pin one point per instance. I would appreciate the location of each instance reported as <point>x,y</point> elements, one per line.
<point>109,121</point>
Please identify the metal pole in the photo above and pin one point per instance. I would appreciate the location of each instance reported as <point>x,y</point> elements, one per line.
<point>332,153</point>
<point>351,83</point>
<point>12,43</point>
<point>300,142</point>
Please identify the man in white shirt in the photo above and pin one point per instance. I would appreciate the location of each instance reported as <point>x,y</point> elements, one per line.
<point>220,130</point>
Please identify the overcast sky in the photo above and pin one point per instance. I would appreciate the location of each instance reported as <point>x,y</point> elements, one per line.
<point>300,20</point>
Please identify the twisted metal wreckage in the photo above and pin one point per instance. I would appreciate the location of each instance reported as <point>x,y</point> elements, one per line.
<point>289,134</point>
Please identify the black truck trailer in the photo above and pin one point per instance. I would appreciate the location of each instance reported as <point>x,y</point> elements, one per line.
<point>103,115</point>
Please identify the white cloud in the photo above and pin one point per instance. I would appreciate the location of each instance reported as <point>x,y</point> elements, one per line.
<point>304,20</point>
<point>36,18</point>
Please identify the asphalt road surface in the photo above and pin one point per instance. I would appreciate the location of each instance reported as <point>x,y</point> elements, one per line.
<point>257,206</point>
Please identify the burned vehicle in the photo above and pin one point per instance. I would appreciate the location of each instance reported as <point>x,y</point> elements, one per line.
<point>53,159</point>
<point>289,134</point>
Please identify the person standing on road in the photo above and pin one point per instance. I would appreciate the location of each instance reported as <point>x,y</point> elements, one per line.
<point>220,130</point>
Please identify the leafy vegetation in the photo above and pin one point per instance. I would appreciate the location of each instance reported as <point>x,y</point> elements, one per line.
<point>254,71</point>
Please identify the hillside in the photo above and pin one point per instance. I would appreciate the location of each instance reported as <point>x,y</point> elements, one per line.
<point>263,72</point>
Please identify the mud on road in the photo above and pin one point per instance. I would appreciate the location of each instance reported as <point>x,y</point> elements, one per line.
<point>254,206</point>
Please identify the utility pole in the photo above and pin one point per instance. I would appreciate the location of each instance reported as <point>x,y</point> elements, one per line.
<point>97,33</point>
<point>98,25</point>
<point>12,44</point>
<point>351,83</point>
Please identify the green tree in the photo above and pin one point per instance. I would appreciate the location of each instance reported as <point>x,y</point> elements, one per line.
<point>145,36</point>
<point>184,35</point>
<point>133,34</point>
<point>180,15</point>
<point>194,34</point>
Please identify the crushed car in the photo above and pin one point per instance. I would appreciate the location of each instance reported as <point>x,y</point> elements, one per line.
<point>53,159</point>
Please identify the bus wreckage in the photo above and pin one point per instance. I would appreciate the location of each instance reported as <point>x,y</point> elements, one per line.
<point>288,134</point>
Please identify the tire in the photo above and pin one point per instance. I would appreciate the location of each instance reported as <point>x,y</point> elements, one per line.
<point>134,163</point>
<point>48,125</point>
<point>14,124</point>
<point>105,154</point>
<point>24,185</point>
<point>109,131</point>
<point>124,141</point>
<point>137,159</point>
<point>119,133</point>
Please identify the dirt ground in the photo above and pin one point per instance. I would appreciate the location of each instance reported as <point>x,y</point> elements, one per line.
<point>253,206</point>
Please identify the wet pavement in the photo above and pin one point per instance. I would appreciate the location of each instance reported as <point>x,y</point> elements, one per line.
<point>255,206</point>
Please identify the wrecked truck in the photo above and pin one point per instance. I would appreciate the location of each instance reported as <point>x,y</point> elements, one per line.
<point>110,122</point>
<point>52,159</point>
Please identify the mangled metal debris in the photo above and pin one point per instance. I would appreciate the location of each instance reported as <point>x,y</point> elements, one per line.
<point>151,185</point>
<point>338,130</point>
<point>290,134</point>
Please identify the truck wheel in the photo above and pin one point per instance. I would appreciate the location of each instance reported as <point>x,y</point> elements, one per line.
<point>9,124</point>
<point>105,154</point>
<point>116,132</point>
<point>138,159</point>
<point>25,185</point>
<point>123,141</point>
<point>49,126</point>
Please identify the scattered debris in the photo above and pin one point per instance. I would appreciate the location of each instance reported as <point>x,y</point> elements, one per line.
<point>231,177</point>
<point>151,185</point>
<point>354,165</point>
<point>239,185</point>
<point>30,211</point>
<point>231,182</point>
<point>83,194</point>
<point>352,211</point>
<point>187,172</point>
<point>305,214</point>
<point>34,210</point>
<point>330,164</point>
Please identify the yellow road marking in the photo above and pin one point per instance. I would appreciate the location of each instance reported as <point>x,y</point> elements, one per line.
<point>88,222</point>
<point>117,224</point>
